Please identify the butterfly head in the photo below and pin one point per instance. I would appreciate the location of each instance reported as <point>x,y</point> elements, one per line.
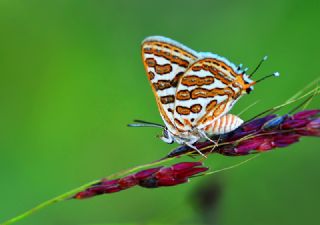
<point>247,84</point>
<point>245,80</point>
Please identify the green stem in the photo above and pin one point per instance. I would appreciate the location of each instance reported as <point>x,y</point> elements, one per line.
<point>59,198</point>
<point>69,194</point>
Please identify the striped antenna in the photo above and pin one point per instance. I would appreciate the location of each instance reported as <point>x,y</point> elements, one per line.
<point>258,66</point>
<point>276,74</point>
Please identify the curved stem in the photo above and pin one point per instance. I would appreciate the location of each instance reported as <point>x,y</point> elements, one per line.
<point>69,194</point>
<point>56,199</point>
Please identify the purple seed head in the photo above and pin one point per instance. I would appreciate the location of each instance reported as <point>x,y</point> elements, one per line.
<point>150,178</point>
<point>306,114</point>
<point>258,135</point>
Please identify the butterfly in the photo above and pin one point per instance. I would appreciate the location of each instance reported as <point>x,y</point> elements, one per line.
<point>194,91</point>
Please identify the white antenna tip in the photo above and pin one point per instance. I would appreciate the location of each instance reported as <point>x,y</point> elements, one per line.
<point>276,74</point>
<point>265,58</point>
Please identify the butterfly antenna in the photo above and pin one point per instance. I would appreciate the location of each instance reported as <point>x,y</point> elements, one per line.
<point>258,66</point>
<point>142,123</point>
<point>276,74</point>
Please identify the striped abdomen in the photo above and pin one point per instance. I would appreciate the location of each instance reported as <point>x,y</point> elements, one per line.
<point>224,124</point>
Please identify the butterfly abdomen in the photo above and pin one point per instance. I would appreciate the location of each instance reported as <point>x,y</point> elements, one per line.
<point>224,124</point>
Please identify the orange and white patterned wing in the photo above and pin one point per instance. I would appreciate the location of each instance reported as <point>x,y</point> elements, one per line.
<point>165,61</point>
<point>207,91</point>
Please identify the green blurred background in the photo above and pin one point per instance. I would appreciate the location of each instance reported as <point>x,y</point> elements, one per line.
<point>72,78</point>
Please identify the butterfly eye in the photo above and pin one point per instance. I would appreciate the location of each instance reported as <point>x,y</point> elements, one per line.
<point>248,90</point>
<point>247,84</point>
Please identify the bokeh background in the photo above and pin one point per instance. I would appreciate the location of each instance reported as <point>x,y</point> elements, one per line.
<point>72,78</point>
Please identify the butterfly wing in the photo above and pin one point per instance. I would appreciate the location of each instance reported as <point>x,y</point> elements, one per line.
<point>165,61</point>
<point>206,91</point>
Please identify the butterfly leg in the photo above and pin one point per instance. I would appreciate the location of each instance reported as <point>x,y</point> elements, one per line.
<point>216,144</point>
<point>204,135</point>
<point>195,148</point>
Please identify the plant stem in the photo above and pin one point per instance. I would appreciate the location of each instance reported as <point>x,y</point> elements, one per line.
<point>69,194</point>
<point>59,198</point>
